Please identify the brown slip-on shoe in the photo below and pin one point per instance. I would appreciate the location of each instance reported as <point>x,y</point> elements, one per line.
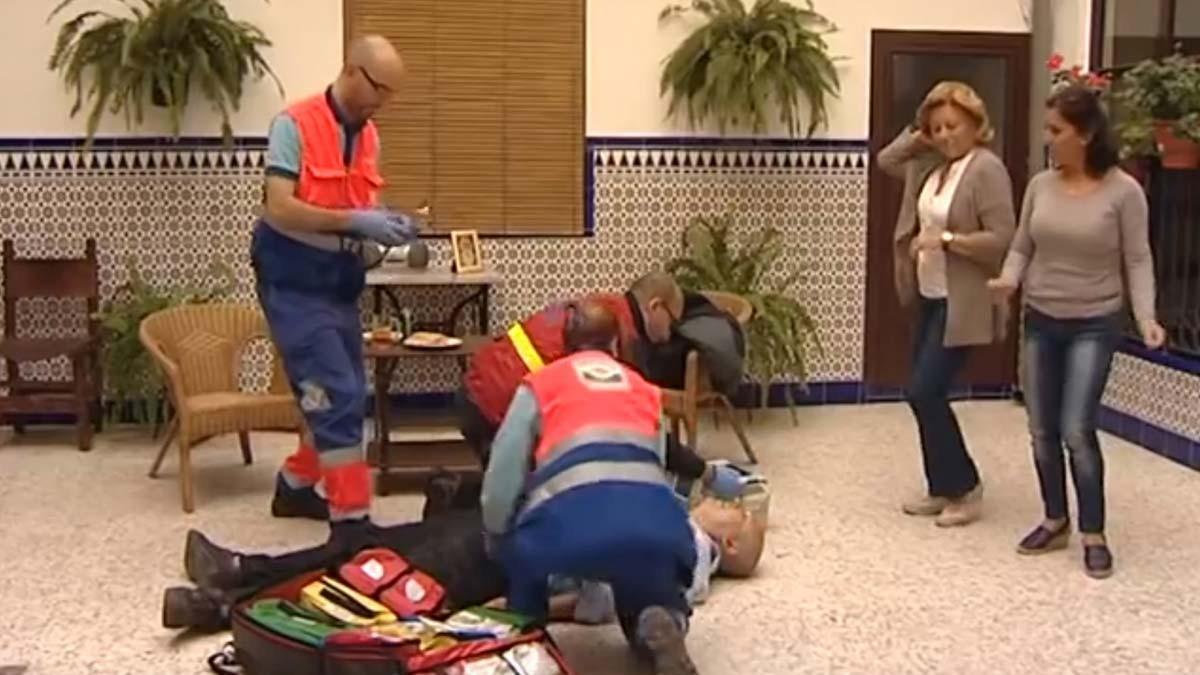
<point>962,511</point>
<point>1097,561</point>
<point>1042,540</point>
<point>928,506</point>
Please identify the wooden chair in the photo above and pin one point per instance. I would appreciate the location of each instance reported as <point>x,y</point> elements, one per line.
<point>199,350</point>
<point>683,406</point>
<point>71,281</point>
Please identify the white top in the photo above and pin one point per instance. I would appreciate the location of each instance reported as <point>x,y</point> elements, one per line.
<point>933,209</point>
<point>708,560</point>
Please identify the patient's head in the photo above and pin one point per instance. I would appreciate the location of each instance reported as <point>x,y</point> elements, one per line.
<point>740,534</point>
<point>661,302</point>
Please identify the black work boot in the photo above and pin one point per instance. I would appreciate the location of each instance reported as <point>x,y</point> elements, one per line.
<point>445,491</point>
<point>205,609</point>
<point>290,502</point>
<point>347,537</point>
<point>663,637</point>
<point>439,493</point>
<point>210,565</point>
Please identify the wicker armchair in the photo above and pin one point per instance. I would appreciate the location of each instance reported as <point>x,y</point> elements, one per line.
<point>683,406</point>
<point>199,349</point>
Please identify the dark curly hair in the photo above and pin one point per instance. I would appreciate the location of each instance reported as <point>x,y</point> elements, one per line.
<point>1080,107</point>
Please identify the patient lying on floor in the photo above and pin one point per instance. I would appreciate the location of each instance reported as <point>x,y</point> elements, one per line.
<point>449,547</point>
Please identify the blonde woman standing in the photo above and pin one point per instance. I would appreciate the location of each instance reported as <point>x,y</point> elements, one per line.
<point>956,222</point>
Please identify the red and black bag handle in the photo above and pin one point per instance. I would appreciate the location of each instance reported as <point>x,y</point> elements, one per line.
<point>225,661</point>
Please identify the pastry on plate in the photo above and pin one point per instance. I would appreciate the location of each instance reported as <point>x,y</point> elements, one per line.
<point>430,340</point>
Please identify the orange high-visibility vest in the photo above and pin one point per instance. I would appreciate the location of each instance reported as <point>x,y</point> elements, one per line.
<point>590,397</point>
<point>325,178</point>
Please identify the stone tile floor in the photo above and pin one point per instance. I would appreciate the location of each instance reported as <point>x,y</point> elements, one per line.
<point>847,585</point>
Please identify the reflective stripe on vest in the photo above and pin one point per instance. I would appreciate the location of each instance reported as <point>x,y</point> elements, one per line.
<point>601,434</point>
<point>525,349</point>
<point>593,473</point>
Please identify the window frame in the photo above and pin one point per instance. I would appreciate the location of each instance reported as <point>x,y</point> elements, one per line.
<point>1166,33</point>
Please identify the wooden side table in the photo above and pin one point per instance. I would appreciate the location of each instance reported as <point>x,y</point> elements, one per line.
<point>387,279</point>
<point>426,450</point>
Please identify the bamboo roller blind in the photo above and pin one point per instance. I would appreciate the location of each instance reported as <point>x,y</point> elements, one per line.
<point>488,128</point>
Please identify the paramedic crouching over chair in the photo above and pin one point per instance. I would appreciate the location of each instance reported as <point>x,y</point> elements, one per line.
<point>584,436</point>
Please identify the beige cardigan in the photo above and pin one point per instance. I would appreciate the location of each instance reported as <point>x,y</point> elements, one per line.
<point>983,211</point>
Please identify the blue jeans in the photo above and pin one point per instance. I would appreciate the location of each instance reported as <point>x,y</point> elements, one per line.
<point>949,470</point>
<point>1067,363</point>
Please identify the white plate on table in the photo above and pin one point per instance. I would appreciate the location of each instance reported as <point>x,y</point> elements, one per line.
<point>433,341</point>
<point>369,336</point>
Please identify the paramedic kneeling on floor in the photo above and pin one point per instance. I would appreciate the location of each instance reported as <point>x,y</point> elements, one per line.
<point>647,316</point>
<point>310,253</point>
<point>592,431</point>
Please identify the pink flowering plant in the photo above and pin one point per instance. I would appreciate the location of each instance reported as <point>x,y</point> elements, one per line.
<point>1060,77</point>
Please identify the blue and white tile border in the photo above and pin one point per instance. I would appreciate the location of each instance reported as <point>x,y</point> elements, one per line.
<point>1137,418</point>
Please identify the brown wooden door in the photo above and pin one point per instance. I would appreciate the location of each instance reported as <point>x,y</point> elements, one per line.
<point>904,66</point>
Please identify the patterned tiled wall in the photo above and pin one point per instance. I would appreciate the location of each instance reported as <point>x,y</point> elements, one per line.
<point>173,210</point>
<point>1155,405</point>
<point>1163,396</point>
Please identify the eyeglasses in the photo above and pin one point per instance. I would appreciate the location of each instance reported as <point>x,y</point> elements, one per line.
<point>379,87</point>
<point>671,317</point>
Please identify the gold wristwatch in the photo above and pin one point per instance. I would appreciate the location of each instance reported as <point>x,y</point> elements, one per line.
<point>947,239</point>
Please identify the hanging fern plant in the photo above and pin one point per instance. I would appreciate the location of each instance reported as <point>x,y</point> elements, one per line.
<point>741,64</point>
<point>159,52</point>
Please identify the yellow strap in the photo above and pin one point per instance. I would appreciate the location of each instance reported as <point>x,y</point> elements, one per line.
<point>525,349</point>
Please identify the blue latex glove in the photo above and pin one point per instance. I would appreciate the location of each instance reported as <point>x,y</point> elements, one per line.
<point>725,482</point>
<point>389,229</point>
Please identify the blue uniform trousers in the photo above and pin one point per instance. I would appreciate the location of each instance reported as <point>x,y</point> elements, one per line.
<point>318,332</point>
<point>634,536</point>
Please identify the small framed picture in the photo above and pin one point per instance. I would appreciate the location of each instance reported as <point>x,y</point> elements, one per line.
<point>467,256</point>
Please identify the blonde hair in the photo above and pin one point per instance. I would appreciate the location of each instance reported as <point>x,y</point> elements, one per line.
<point>963,97</point>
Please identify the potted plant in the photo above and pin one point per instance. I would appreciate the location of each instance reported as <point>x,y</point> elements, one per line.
<point>781,333</point>
<point>133,384</point>
<point>1168,92</point>
<point>1137,145</point>
<point>740,64</point>
<point>160,50</point>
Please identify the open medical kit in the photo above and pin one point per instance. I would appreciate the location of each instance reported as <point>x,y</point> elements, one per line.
<point>378,615</point>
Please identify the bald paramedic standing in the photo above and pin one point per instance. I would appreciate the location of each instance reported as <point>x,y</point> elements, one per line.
<point>310,250</point>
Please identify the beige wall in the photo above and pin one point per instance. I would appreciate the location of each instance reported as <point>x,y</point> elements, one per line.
<point>626,49</point>
<point>628,46</point>
<point>308,43</point>
<point>1072,29</point>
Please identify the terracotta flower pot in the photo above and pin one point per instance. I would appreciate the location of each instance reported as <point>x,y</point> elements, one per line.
<point>1177,152</point>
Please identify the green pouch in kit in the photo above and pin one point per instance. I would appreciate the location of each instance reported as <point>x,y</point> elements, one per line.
<point>292,620</point>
